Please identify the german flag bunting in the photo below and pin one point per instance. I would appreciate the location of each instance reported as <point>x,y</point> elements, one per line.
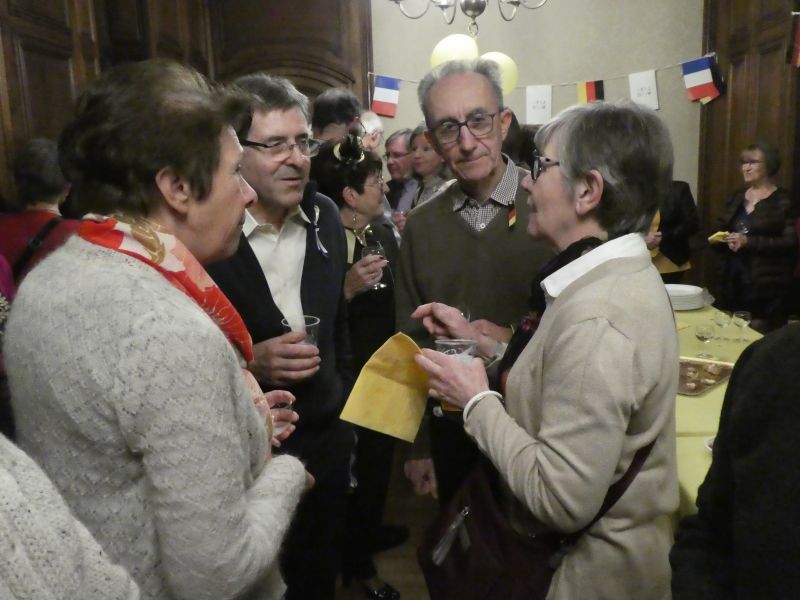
<point>589,91</point>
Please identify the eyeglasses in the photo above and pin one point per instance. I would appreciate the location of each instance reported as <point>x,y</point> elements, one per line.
<point>750,161</point>
<point>377,183</point>
<point>540,163</point>
<point>395,155</point>
<point>479,125</point>
<point>281,149</point>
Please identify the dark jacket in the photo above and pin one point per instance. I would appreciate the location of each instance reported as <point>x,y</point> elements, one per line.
<point>764,266</point>
<point>678,222</point>
<point>321,397</point>
<point>743,541</point>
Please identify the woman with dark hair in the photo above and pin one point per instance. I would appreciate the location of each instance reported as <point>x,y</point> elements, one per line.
<point>760,249</point>
<point>126,362</point>
<point>428,166</point>
<point>351,176</point>
<point>35,227</point>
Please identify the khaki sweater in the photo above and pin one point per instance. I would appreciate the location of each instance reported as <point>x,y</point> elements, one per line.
<point>596,383</point>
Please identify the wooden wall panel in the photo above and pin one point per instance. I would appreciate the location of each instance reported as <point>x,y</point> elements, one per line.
<point>167,24</point>
<point>326,44</point>
<point>750,38</point>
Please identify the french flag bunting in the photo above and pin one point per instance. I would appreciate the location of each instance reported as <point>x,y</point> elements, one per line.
<point>386,96</point>
<point>699,78</point>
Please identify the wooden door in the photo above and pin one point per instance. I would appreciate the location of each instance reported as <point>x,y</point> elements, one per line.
<point>750,38</point>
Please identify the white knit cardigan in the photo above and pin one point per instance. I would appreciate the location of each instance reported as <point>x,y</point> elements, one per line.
<point>133,402</point>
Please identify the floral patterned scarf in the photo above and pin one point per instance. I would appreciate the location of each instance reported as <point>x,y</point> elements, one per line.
<point>148,242</point>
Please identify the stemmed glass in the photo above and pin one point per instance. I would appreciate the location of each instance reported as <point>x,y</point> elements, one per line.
<point>741,318</point>
<point>722,319</point>
<point>375,249</point>
<point>705,333</point>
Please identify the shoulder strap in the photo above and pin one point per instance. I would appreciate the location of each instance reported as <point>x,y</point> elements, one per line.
<point>33,245</point>
<point>616,490</point>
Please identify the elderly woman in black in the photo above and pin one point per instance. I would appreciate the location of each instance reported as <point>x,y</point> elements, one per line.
<point>351,176</point>
<point>759,252</point>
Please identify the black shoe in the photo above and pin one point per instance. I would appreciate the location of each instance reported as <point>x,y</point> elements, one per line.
<point>385,592</point>
<point>389,536</point>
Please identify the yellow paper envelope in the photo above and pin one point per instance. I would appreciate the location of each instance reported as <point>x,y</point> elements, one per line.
<point>718,237</point>
<point>391,391</point>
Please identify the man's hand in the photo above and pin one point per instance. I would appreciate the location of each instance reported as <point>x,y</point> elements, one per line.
<point>443,321</point>
<point>736,241</point>
<point>422,476</point>
<point>363,275</point>
<point>399,219</point>
<point>284,359</point>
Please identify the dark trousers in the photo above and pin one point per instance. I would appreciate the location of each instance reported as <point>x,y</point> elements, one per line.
<point>311,556</point>
<point>372,469</point>
<point>453,451</point>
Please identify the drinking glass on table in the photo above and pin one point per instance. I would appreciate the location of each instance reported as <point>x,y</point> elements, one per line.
<point>741,318</point>
<point>705,333</point>
<point>310,327</point>
<point>722,319</point>
<point>375,249</point>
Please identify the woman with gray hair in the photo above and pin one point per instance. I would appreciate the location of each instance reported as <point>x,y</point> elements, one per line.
<point>589,401</point>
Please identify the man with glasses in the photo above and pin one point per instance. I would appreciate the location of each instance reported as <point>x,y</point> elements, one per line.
<point>402,187</point>
<point>291,262</point>
<point>467,246</point>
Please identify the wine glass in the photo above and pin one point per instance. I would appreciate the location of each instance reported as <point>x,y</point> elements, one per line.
<point>741,318</point>
<point>375,249</point>
<point>722,319</point>
<point>705,333</point>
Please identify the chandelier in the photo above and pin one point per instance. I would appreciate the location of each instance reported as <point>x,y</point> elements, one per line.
<point>471,8</point>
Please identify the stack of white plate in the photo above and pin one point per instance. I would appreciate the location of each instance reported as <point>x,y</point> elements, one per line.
<point>685,297</point>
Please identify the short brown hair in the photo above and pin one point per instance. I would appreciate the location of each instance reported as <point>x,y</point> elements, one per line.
<point>132,122</point>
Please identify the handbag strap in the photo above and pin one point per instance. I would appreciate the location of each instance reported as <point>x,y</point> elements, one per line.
<point>616,490</point>
<point>33,245</point>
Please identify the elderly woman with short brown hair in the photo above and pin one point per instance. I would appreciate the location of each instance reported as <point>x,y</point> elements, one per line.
<point>126,362</point>
<point>593,391</point>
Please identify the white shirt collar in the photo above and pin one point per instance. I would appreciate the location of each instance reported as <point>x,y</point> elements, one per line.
<point>250,223</point>
<point>627,246</point>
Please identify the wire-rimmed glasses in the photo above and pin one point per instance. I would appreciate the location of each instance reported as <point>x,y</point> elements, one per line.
<point>479,125</point>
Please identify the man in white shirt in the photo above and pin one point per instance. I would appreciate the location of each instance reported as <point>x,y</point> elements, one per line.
<point>291,262</point>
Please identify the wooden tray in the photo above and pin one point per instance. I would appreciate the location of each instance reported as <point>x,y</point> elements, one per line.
<point>697,376</point>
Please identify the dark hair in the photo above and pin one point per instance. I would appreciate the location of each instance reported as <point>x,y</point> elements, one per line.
<point>135,120</point>
<point>37,174</point>
<point>350,168</point>
<point>527,144</point>
<point>267,93</point>
<point>629,145</point>
<point>772,160</point>
<point>335,105</point>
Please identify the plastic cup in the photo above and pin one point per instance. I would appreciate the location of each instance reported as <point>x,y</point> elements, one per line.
<point>310,327</point>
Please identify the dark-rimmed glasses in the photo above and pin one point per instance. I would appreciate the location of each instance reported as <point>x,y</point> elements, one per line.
<point>479,125</point>
<point>282,149</point>
<point>540,163</point>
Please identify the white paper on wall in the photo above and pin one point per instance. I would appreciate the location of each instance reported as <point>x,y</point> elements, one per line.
<point>643,88</point>
<point>538,104</point>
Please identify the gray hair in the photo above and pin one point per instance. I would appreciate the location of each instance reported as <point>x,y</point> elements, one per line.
<point>371,122</point>
<point>481,66</point>
<point>631,148</point>
<point>400,133</point>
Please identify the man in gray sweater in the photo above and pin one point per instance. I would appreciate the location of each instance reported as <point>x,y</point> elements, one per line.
<point>467,246</point>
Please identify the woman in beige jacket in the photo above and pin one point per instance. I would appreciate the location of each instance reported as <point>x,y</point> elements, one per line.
<point>597,381</point>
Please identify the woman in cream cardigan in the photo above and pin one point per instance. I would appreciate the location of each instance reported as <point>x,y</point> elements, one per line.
<point>127,364</point>
<point>597,381</point>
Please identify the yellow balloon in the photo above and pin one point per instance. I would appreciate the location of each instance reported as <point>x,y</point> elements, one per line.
<point>509,74</point>
<point>453,47</point>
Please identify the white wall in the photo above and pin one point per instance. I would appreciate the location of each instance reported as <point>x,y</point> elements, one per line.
<point>563,42</point>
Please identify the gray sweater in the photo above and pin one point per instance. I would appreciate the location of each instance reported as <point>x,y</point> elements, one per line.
<point>133,402</point>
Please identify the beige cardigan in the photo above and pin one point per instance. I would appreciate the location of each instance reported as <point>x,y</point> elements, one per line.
<point>596,383</point>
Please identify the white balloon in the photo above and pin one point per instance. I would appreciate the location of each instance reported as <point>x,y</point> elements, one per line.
<point>454,47</point>
<point>509,74</point>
